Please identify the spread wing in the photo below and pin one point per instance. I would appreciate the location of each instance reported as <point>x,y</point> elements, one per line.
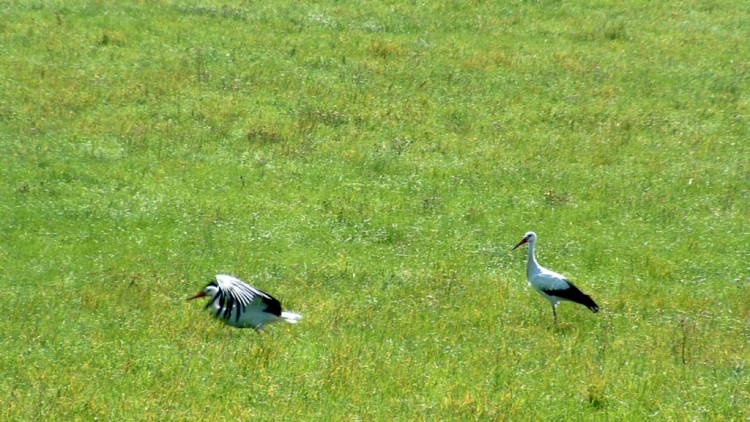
<point>236,293</point>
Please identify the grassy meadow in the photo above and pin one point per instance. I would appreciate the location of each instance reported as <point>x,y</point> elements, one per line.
<point>371,164</point>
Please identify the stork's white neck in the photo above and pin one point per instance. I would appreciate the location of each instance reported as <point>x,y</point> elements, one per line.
<point>532,267</point>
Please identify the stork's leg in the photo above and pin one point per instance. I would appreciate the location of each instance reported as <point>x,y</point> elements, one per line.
<point>554,313</point>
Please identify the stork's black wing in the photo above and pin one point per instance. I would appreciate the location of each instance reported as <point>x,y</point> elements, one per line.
<point>573,294</point>
<point>242,295</point>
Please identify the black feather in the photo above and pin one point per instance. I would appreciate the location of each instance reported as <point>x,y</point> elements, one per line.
<point>211,302</point>
<point>273,306</point>
<point>573,294</point>
<point>229,307</point>
<point>240,309</point>
<point>221,304</point>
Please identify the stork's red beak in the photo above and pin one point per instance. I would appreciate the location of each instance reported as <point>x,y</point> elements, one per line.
<point>197,295</point>
<point>524,240</point>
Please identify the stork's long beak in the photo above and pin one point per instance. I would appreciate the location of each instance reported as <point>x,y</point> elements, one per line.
<point>197,295</point>
<point>524,240</point>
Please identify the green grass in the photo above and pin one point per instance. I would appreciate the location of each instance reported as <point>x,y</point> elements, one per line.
<point>371,164</point>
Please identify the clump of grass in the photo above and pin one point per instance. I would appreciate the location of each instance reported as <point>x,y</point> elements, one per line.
<point>263,135</point>
<point>108,38</point>
<point>615,31</point>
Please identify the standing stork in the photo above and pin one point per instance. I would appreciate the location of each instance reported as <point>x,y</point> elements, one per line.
<point>241,305</point>
<point>553,286</point>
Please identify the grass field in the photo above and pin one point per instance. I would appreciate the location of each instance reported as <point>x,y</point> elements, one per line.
<point>371,164</point>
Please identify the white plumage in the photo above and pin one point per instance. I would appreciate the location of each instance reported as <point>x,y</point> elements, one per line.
<point>241,305</point>
<point>553,286</point>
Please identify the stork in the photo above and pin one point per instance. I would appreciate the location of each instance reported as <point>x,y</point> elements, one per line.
<point>241,305</point>
<point>553,286</point>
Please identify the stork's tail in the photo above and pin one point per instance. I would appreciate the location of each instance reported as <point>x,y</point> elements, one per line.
<point>589,303</point>
<point>290,317</point>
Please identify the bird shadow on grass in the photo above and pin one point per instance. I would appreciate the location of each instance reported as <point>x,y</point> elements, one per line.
<point>561,327</point>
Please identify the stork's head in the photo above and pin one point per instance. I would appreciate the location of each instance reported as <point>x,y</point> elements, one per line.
<point>210,290</point>
<point>528,237</point>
